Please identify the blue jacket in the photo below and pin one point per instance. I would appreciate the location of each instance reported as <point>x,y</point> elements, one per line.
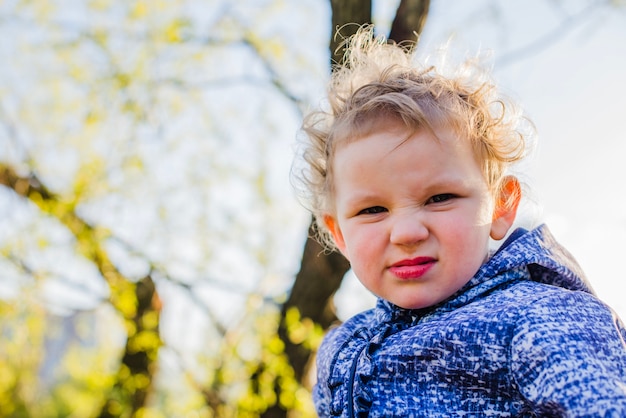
<point>525,337</point>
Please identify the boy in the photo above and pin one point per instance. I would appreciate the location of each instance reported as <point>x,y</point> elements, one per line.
<point>407,177</point>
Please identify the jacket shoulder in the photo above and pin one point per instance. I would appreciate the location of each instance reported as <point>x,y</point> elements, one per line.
<point>568,349</point>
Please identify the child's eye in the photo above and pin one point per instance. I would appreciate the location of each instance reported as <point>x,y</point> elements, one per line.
<point>372,210</point>
<point>440,198</point>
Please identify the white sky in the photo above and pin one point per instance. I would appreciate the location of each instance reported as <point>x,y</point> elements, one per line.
<point>573,88</point>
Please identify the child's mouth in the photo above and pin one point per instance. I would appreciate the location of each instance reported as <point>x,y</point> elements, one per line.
<point>412,268</point>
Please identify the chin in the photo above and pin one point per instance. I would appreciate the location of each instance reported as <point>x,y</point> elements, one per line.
<point>413,305</point>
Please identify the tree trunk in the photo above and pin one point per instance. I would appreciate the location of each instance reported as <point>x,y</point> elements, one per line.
<point>409,21</point>
<point>138,366</point>
<point>347,17</point>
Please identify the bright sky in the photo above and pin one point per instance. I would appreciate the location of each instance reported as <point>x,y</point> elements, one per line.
<point>571,84</point>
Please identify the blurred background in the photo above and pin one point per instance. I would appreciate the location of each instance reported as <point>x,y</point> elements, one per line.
<point>154,259</point>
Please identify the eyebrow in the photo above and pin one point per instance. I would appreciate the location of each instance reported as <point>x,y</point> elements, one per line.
<point>361,198</point>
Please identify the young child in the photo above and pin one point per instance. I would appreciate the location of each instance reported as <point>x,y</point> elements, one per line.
<point>407,174</point>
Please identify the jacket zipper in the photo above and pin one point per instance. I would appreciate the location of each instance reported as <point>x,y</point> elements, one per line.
<point>351,382</point>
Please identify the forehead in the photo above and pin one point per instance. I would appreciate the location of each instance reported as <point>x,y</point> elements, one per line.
<point>396,152</point>
<point>392,132</point>
<point>442,132</point>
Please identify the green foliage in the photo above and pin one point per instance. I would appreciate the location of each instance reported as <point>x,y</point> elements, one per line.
<point>252,372</point>
<point>22,331</point>
<point>75,386</point>
<point>130,110</point>
<point>303,330</point>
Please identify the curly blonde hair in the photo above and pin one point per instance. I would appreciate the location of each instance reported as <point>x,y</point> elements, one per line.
<point>380,80</point>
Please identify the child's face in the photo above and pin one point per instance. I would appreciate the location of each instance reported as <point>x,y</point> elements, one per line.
<point>413,217</point>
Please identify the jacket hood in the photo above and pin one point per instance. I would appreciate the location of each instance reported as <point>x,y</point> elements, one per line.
<point>525,255</point>
<point>547,261</point>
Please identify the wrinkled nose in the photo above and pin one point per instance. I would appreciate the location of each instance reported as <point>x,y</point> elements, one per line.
<point>408,229</point>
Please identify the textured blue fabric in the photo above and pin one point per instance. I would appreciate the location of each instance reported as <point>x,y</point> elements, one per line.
<point>525,337</point>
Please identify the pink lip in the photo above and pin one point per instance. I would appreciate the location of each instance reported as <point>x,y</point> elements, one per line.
<point>413,268</point>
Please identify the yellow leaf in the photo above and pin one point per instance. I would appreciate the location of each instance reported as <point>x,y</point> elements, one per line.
<point>173,31</point>
<point>139,11</point>
<point>92,118</point>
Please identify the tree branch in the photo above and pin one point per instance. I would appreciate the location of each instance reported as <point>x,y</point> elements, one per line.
<point>410,20</point>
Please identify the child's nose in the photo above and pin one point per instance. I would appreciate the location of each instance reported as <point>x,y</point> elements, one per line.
<point>408,229</point>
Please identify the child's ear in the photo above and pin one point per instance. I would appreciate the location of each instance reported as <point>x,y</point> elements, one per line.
<point>333,227</point>
<point>505,211</point>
